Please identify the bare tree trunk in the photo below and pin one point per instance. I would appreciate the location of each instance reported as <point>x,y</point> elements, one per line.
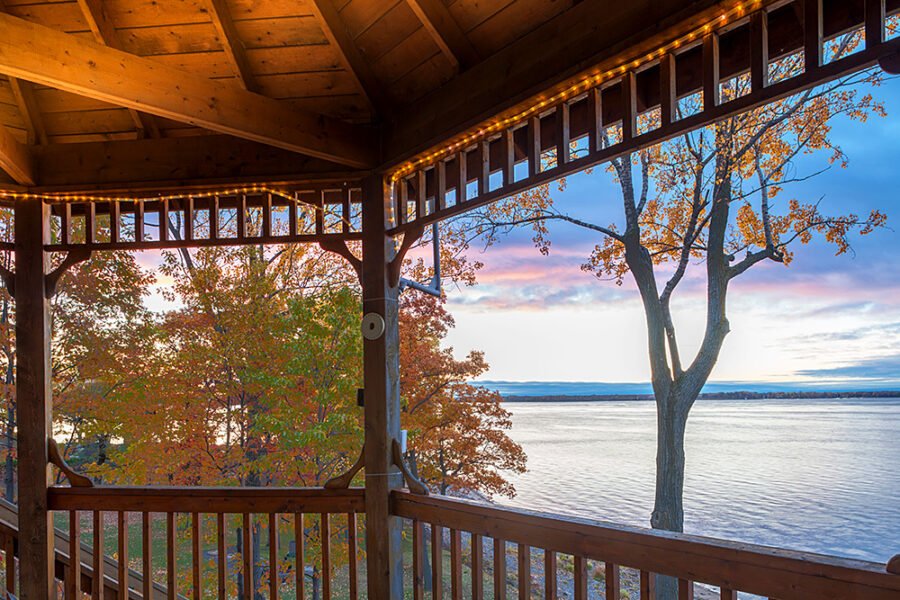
<point>668,508</point>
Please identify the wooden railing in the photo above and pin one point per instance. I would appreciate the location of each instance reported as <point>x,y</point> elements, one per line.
<point>202,542</point>
<point>570,550</point>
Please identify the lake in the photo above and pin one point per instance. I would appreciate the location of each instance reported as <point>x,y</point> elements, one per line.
<point>815,475</point>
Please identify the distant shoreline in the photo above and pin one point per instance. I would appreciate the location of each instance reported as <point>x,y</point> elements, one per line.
<point>708,396</point>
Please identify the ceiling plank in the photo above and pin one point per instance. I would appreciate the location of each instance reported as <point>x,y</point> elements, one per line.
<point>24,95</point>
<point>446,32</point>
<point>352,58</point>
<point>231,44</point>
<point>49,57</point>
<point>105,33</point>
<point>15,158</point>
<point>131,165</point>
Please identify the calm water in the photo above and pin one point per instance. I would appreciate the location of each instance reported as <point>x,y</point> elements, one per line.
<point>810,475</point>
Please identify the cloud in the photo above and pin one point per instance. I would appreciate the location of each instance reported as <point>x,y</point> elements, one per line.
<point>877,368</point>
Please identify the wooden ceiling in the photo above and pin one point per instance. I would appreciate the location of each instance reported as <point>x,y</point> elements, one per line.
<point>104,93</point>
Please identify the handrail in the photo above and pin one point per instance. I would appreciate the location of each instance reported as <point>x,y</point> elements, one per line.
<point>207,499</point>
<point>756,569</point>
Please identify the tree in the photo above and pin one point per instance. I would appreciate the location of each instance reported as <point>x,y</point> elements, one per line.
<point>706,199</point>
<point>457,430</point>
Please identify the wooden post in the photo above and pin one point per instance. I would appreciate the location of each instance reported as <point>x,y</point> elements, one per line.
<point>381,372</point>
<point>34,400</point>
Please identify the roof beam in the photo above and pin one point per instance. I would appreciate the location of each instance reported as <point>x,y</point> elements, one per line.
<point>63,61</point>
<point>352,58</point>
<point>231,44</point>
<point>446,32</point>
<point>105,33</point>
<point>15,158</point>
<point>24,96</point>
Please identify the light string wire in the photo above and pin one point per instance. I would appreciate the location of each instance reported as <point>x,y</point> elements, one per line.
<point>588,82</point>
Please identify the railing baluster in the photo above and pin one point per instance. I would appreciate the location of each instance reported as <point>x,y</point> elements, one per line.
<point>685,589</point>
<point>563,136</point>
<point>10,564</point>
<point>97,563</point>
<point>123,555</point>
<point>874,22</point>
<point>73,588</point>
<point>273,556</point>
<point>667,101</point>
<point>351,555</point>
<point>299,558</point>
<point>455,564</point>
<point>549,575</point>
<point>533,146</point>
<point>499,569</point>
<point>418,560</point>
<point>581,580</point>
<point>524,559</point>
<point>812,34</point>
<point>759,50</point>
<point>147,554</point>
<point>613,581</point>
<point>325,531</point>
<point>648,586</point>
<point>710,71</point>
<point>222,557</point>
<point>462,176</point>
<point>247,556</point>
<point>727,594</point>
<point>477,567</point>
<point>170,556</point>
<point>196,556</point>
<point>437,563</point>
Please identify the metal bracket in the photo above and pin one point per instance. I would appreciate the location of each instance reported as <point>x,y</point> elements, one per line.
<point>56,458</point>
<point>433,288</point>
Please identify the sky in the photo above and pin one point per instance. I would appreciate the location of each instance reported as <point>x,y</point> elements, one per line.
<point>825,321</point>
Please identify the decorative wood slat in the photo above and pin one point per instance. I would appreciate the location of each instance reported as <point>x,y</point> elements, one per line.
<point>73,585</point>
<point>484,167</point>
<point>499,569</point>
<point>613,580</point>
<point>300,555</point>
<point>563,139</point>
<point>455,564</point>
<point>874,24</point>
<point>440,185</point>
<point>418,558</point>
<point>163,221</point>
<point>685,589</point>
<point>667,101</point>
<point>115,223</point>
<point>222,562</point>
<point>248,590</point>
<point>648,585</point>
<point>147,554</point>
<point>170,557</point>
<point>421,195</point>
<point>477,567</point>
<point>812,33</point>
<point>189,219</point>
<point>629,107</point>
<point>139,233</point>
<point>98,553</point>
<point>524,560</point>
<point>580,575</point>
<point>123,552</point>
<point>549,575</point>
<point>595,120</point>
<point>462,178</point>
<point>759,50</point>
<point>345,209</point>
<point>437,562</point>
<point>533,146</point>
<point>325,535</point>
<point>508,148</point>
<point>351,556</point>
<point>273,556</point>
<point>727,594</point>
<point>196,556</point>
<point>711,95</point>
<point>90,224</point>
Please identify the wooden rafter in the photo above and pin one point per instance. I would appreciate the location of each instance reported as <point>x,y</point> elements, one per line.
<point>15,158</point>
<point>231,44</point>
<point>66,62</point>
<point>445,32</point>
<point>105,33</point>
<point>24,96</point>
<point>352,58</point>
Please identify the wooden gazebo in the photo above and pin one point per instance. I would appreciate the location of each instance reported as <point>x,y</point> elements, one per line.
<point>360,120</point>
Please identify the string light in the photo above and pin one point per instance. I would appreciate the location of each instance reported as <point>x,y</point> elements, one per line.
<point>587,82</point>
<point>64,198</point>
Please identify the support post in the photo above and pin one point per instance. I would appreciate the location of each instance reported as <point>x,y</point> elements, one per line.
<point>34,400</point>
<point>381,372</point>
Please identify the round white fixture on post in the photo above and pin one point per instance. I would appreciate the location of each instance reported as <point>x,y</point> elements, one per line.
<point>372,326</point>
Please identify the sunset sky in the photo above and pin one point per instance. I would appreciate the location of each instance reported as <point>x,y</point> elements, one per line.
<point>824,320</point>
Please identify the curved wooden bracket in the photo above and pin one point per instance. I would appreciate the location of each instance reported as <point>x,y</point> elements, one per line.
<point>73,257</point>
<point>342,482</point>
<point>56,458</point>
<point>893,565</point>
<point>890,63</point>
<point>9,280</point>
<point>412,482</point>
<point>410,237</point>
<point>340,247</point>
